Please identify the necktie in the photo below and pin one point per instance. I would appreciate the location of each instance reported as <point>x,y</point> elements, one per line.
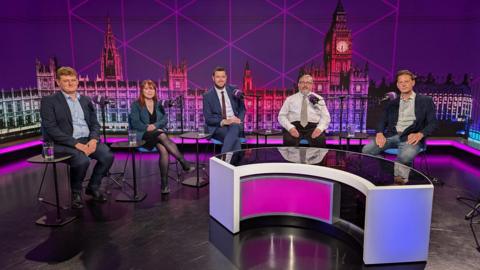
<point>304,112</point>
<point>224,107</point>
<point>303,155</point>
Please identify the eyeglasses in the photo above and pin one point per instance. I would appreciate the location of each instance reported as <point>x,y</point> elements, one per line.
<point>302,82</point>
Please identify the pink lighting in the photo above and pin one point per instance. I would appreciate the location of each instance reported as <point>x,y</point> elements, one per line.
<point>271,141</point>
<point>300,197</point>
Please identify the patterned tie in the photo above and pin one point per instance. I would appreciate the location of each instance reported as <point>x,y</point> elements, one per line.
<point>304,112</point>
<point>224,107</point>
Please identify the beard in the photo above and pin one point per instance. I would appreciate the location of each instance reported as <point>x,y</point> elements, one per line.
<point>305,91</point>
<point>218,86</point>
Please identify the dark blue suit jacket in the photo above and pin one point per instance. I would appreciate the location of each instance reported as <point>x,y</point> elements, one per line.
<point>57,119</point>
<point>425,122</point>
<point>139,119</point>
<point>212,110</point>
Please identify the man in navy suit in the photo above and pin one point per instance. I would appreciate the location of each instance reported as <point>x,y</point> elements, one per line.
<point>223,112</point>
<point>405,123</point>
<point>69,121</point>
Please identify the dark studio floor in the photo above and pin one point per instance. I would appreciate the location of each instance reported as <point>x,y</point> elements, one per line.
<point>176,232</point>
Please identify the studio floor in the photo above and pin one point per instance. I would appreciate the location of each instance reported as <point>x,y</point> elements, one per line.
<point>176,231</point>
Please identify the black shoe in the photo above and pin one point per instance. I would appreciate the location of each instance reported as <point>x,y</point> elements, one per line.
<point>189,169</point>
<point>165,190</point>
<point>186,166</point>
<point>77,202</point>
<point>96,194</point>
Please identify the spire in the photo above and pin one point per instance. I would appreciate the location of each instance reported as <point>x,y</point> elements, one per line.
<point>247,78</point>
<point>339,7</point>
<point>111,65</point>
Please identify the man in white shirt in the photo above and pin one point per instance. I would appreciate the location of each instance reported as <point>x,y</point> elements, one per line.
<point>405,123</point>
<point>302,119</point>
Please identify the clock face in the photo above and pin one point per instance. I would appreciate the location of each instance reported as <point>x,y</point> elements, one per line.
<point>342,46</point>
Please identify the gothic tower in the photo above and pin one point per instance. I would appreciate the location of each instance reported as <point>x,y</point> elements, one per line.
<point>111,65</point>
<point>247,79</point>
<point>338,49</point>
<point>46,75</point>
<point>177,76</point>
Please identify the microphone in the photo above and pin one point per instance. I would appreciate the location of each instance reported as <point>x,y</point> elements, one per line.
<point>237,93</point>
<point>168,103</point>
<point>101,100</point>
<point>389,96</point>
<point>313,99</point>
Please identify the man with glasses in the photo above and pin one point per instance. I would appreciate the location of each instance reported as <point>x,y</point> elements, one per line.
<point>303,119</point>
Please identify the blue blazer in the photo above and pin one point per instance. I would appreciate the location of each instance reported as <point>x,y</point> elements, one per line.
<point>139,119</point>
<point>57,121</point>
<point>425,122</point>
<point>212,110</point>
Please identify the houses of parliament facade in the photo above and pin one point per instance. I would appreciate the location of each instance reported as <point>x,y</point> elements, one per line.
<point>344,86</point>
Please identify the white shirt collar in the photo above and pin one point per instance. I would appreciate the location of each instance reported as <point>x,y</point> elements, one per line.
<point>68,97</point>
<point>411,97</point>
<point>220,90</point>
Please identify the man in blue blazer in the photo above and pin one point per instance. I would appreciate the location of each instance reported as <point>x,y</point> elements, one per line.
<point>405,123</point>
<point>69,121</point>
<point>224,112</point>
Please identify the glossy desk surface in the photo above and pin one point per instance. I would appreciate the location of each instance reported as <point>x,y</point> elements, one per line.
<point>379,171</point>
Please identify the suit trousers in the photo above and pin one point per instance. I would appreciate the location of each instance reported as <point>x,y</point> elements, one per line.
<point>230,136</point>
<point>305,133</point>
<point>79,163</point>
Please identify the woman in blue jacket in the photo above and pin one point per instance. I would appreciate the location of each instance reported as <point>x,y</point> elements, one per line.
<point>148,119</point>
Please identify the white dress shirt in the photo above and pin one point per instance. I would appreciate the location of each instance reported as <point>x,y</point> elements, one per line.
<point>228,105</point>
<point>80,126</point>
<point>290,112</point>
<point>406,113</point>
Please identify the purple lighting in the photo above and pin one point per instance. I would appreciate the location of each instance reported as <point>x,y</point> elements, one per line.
<point>18,147</point>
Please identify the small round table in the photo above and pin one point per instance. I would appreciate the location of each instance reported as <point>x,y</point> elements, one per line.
<point>266,132</point>
<point>195,181</point>
<point>51,219</point>
<point>357,136</point>
<point>137,196</point>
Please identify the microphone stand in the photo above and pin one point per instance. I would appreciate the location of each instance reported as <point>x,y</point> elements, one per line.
<point>102,107</point>
<point>341,113</point>
<point>117,175</point>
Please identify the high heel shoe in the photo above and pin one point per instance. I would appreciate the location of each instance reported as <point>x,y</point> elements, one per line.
<point>186,166</point>
<point>164,186</point>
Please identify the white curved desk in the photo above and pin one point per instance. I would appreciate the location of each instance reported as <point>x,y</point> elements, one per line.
<point>279,181</point>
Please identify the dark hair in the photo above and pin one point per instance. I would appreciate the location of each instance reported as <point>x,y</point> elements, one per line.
<point>218,69</point>
<point>301,75</point>
<point>405,72</point>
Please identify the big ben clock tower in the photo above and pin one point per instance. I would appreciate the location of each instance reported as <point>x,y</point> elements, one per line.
<point>338,47</point>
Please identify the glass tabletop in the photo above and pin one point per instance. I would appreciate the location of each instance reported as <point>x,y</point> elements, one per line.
<point>379,171</point>
<point>357,135</point>
<point>195,135</point>
<point>268,132</point>
<point>127,145</point>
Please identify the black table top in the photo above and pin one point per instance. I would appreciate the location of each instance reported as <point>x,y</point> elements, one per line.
<point>267,131</point>
<point>57,158</point>
<point>379,171</point>
<point>127,145</point>
<point>358,135</point>
<point>195,135</point>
